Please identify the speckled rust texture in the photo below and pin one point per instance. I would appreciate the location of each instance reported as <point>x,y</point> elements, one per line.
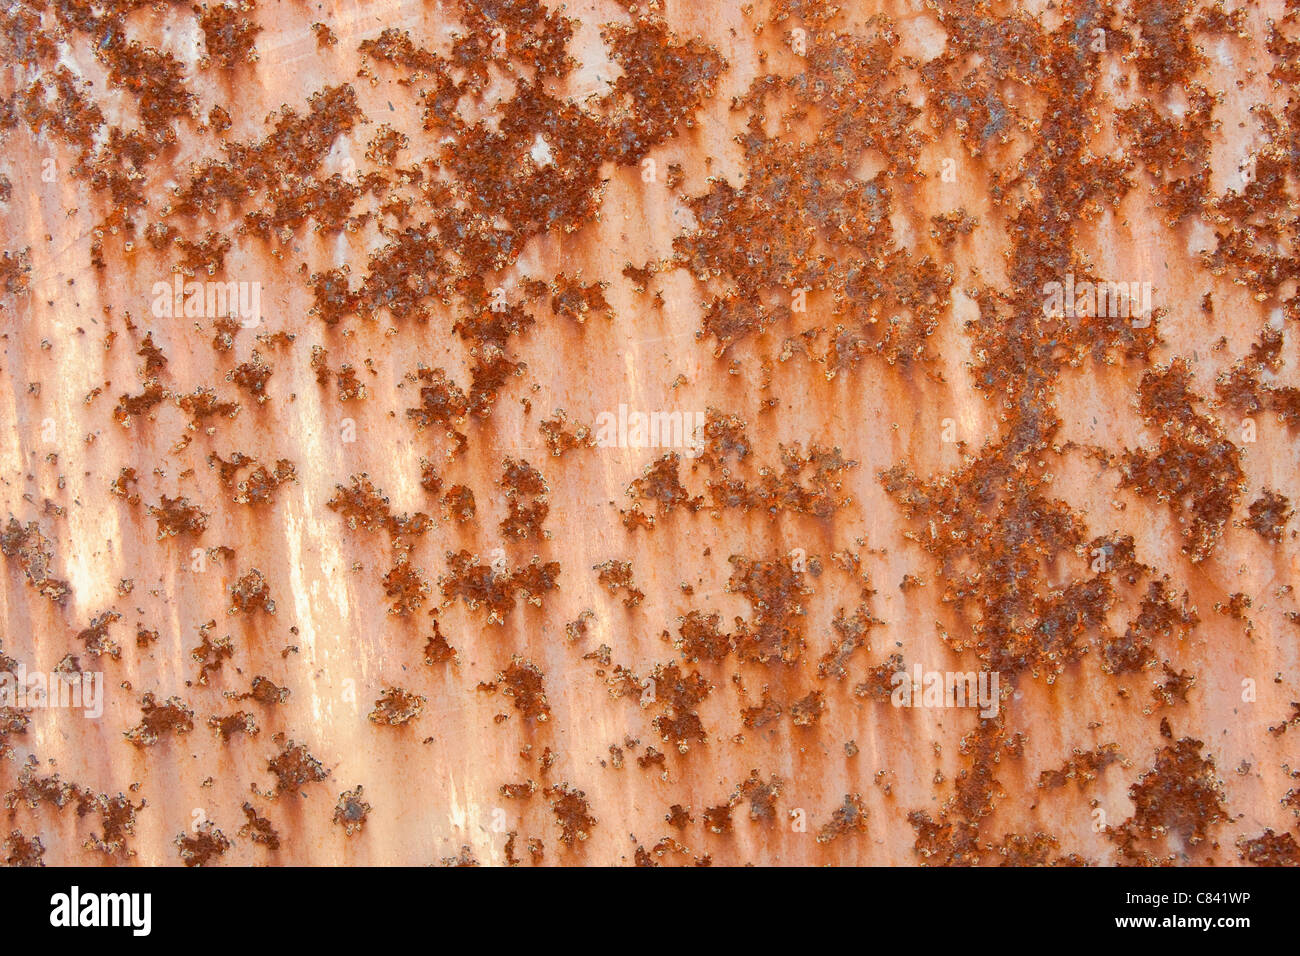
<point>525,434</point>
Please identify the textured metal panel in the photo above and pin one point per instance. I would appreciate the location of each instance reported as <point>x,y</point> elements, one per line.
<point>909,459</point>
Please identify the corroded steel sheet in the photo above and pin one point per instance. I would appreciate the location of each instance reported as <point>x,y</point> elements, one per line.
<point>510,433</point>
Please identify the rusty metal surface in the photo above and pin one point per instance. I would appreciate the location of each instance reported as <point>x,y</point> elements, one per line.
<point>861,782</point>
